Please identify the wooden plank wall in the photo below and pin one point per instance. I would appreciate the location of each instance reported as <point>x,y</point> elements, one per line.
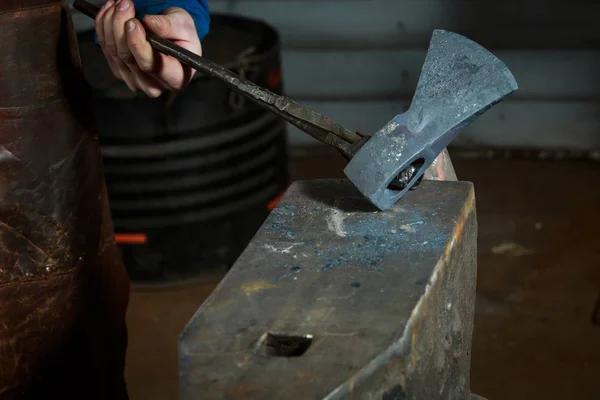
<point>358,61</point>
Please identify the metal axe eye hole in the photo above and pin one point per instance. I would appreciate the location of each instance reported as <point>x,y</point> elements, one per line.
<point>406,176</point>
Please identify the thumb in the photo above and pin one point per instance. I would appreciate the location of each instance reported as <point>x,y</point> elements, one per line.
<point>173,24</point>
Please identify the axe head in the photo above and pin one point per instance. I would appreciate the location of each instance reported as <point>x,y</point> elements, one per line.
<point>459,81</point>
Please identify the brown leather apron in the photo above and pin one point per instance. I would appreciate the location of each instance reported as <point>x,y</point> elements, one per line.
<point>63,288</point>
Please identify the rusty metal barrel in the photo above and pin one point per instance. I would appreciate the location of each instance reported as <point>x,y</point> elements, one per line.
<point>63,288</point>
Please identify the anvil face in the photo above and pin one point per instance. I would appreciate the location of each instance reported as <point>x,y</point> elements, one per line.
<point>460,80</point>
<point>334,301</point>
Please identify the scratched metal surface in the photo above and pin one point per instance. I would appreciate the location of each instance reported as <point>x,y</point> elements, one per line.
<point>326,264</point>
<point>460,81</point>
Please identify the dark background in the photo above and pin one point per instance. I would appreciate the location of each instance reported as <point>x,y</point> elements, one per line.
<point>358,61</point>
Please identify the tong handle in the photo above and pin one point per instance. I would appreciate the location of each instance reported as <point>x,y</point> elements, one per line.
<point>319,127</point>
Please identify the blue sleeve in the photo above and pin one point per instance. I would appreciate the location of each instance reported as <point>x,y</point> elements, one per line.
<point>198,9</point>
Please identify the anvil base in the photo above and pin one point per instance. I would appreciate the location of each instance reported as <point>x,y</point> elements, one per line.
<point>333,299</point>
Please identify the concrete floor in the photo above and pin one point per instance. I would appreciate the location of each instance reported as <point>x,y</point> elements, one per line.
<point>538,281</point>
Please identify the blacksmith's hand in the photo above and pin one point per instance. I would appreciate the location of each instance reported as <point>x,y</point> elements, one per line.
<point>122,38</point>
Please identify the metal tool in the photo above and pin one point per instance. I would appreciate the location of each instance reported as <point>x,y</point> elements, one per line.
<point>459,81</point>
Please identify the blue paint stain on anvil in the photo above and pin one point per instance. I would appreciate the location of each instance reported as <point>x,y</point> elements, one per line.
<point>369,238</point>
<point>279,219</point>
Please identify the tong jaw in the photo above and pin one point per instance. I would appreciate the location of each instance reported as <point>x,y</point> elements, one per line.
<point>459,81</point>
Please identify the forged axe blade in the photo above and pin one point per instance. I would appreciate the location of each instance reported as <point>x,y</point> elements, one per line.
<point>459,81</point>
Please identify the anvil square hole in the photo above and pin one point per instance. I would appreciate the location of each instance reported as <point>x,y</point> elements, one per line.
<point>280,345</point>
<point>406,176</point>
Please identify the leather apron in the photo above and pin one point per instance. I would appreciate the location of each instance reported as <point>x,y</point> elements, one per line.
<point>63,287</point>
